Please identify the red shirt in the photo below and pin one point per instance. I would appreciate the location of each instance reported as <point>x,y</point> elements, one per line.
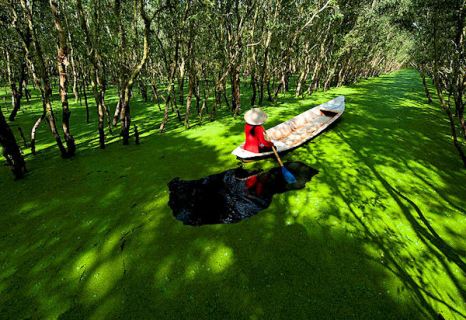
<point>255,140</point>
<point>257,184</point>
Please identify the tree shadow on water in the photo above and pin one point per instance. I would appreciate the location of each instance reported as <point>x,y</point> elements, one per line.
<point>111,247</point>
<point>272,267</point>
<point>423,229</point>
<point>265,269</point>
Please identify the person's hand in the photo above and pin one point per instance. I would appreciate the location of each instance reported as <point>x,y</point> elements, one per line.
<point>266,137</point>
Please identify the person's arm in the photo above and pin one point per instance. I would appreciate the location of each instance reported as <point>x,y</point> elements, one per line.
<point>261,135</point>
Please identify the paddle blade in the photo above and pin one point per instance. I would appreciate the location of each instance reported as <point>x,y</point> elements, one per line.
<point>289,177</point>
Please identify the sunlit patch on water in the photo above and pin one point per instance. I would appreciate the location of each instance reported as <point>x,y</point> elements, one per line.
<point>232,195</point>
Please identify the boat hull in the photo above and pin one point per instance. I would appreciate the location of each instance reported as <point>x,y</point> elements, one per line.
<point>293,133</point>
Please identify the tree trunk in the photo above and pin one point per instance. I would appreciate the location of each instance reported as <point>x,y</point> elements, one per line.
<point>299,85</point>
<point>125,116</point>
<point>426,88</point>
<point>33,132</point>
<point>73,63</point>
<point>75,79</point>
<point>281,85</point>
<point>27,93</point>
<point>21,133</point>
<point>165,113</point>
<point>440,85</point>
<point>174,105</point>
<point>16,92</point>
<point>44,82</point>
<point>155,94</point>
<point>181,81</point>
<point>86,104</point>
<point>11,150</point>
<point>446,107</point>
<point>197,95</point>
<point>191,75</point>
<point>62,58</point>
<point>459,72</point>
<point>143,90</point>
<point>189,101</point>
<point>98,74</point>
<point>253,87</point>
<point>16,101</point>
<point>264,70</point>
<point>206,95</point>
<point>170,88</point>
<point>116,114</point>
<point>235,91</point>
<point>254,60</point>
<point>269,91</point>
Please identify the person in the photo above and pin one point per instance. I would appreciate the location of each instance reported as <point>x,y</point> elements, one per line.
<point>256,137</point>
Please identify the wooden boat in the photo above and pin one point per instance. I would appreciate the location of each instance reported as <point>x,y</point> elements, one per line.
<point>298,130</point>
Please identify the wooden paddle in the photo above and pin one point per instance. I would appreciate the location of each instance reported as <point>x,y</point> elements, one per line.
<point>289,177</point>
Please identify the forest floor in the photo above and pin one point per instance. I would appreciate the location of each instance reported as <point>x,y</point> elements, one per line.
<point>378,233</point>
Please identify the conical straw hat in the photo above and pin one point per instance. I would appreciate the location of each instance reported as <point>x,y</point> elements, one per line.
<point>255,117</point>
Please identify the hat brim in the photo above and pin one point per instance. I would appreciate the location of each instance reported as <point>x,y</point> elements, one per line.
<point>255,119</point>
<point>255,123</point>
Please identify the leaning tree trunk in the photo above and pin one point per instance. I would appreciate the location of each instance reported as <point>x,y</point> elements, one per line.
<point>98,74</point>
<point>16,92</point>
<point>11,150</point>
<point>155,94</point>
<point>44,82</point>
<point>426,88</point>
<point>125,115</point>
<point>171,77</point>
<point>62,58</point>
<point>73,62</point>
<point>14,89</point>
<point>302,78</point>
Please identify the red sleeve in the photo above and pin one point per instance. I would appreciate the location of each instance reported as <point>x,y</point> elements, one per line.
<point>260,135</point>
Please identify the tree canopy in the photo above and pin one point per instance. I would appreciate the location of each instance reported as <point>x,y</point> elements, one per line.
<point>213,49</point>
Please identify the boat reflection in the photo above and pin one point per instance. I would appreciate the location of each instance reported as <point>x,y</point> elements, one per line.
<point>232,195</point>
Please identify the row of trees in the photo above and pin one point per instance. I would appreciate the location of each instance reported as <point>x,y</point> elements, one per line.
<point>439,29</point>
<point>188,54</point>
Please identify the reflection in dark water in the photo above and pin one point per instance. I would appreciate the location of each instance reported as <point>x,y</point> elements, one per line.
<point>232,195</point>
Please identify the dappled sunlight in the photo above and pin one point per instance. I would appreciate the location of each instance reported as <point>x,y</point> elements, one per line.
<point>102,280</point>
<point>86,261</point>
<point>356,177</point>
<point>377,234</point>
<point>105,307</point>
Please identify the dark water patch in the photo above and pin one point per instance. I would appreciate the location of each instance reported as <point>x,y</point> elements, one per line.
<point>232,195</point>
